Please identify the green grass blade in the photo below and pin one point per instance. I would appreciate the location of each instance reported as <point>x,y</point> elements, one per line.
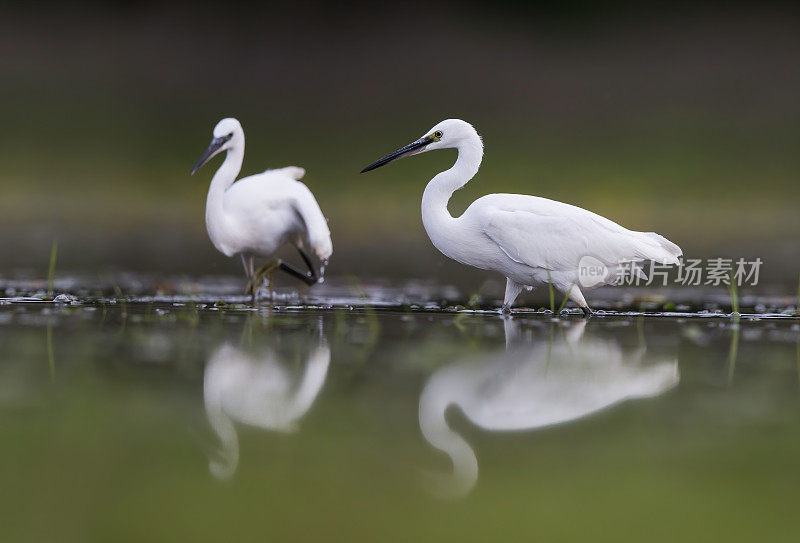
<point>552,295</point>
<point>564,301</point>
<point>732,353</point>
<point>52,271</point>
<point>123,307</point>
<point>734,291</point>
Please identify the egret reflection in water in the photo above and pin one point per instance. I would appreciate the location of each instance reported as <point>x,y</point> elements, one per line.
<point>257,388</point>
<point>532,385</point>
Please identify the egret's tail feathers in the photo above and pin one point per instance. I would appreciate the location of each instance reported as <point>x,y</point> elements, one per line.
<point>295,172</point>
<point>661,249</point>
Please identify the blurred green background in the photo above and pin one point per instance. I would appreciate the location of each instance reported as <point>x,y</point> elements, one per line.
<point>683,120</point>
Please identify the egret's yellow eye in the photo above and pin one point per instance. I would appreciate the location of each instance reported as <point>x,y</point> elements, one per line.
<point>438,134</point>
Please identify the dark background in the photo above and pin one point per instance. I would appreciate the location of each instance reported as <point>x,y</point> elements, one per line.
<point>681,118</point>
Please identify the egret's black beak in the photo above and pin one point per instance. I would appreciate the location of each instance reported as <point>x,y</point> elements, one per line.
<point>400,153</point>
<point>216,143</point>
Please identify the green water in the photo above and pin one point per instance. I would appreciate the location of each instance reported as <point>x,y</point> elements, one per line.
<point>156,422</point>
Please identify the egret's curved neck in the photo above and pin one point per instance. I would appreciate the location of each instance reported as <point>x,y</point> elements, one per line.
<point>223,179</point>
<point>433,404</point>
<point>435,217</point>
<point>225,462</point>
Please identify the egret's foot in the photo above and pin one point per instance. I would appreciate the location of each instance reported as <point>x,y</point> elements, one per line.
<point>250,282</point>
<point>310,278</point>
<point>587,312</point>
<point>506,309</point>
<point>271,273</point>
<point>258,277</point>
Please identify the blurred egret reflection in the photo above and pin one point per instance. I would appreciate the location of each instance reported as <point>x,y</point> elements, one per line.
<point>533,385</point>
<point>258,388</point>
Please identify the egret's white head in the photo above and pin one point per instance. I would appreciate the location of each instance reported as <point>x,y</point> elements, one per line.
<point>227,134</point>
<point>450,133</point>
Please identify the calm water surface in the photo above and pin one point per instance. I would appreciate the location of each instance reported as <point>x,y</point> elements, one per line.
<point>151,421</point>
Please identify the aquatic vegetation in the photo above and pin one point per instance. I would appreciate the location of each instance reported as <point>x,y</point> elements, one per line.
<point>52,269</point>
<point>122,302</point>
<point>733,352</point>
<point>734,293</point>
<point>474,301</point>
<point>564,301</point>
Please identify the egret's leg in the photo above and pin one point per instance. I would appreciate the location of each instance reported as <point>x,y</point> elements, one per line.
<point>512,291</point>
<point>575,332</point>
<point>250,289</point>
<point>311,269</point>
<point>258,276</point>
<point>511,329</point>
<point>310,277</point>
<point>576,296</point>
<point>247,262</point>
<point>271,284</point>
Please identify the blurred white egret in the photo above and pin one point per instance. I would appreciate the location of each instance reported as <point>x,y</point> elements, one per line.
<point>260,390</point>
<point>530,240</point>
<point>256,215</point>
<point>530,386</point>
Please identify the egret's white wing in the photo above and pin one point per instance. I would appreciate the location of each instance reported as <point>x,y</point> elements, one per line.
<point>278,206</point>
<point>319,236</point>
<point>306,206</point>
<point>543,233</point>
<point>295,172</point>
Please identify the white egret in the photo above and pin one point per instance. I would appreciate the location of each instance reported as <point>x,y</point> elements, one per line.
<point>530,240</point>
<point>256,215</point>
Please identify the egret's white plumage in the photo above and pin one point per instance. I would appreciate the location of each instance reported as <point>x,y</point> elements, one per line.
<point>256,215</point>
<point>530,240</point>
